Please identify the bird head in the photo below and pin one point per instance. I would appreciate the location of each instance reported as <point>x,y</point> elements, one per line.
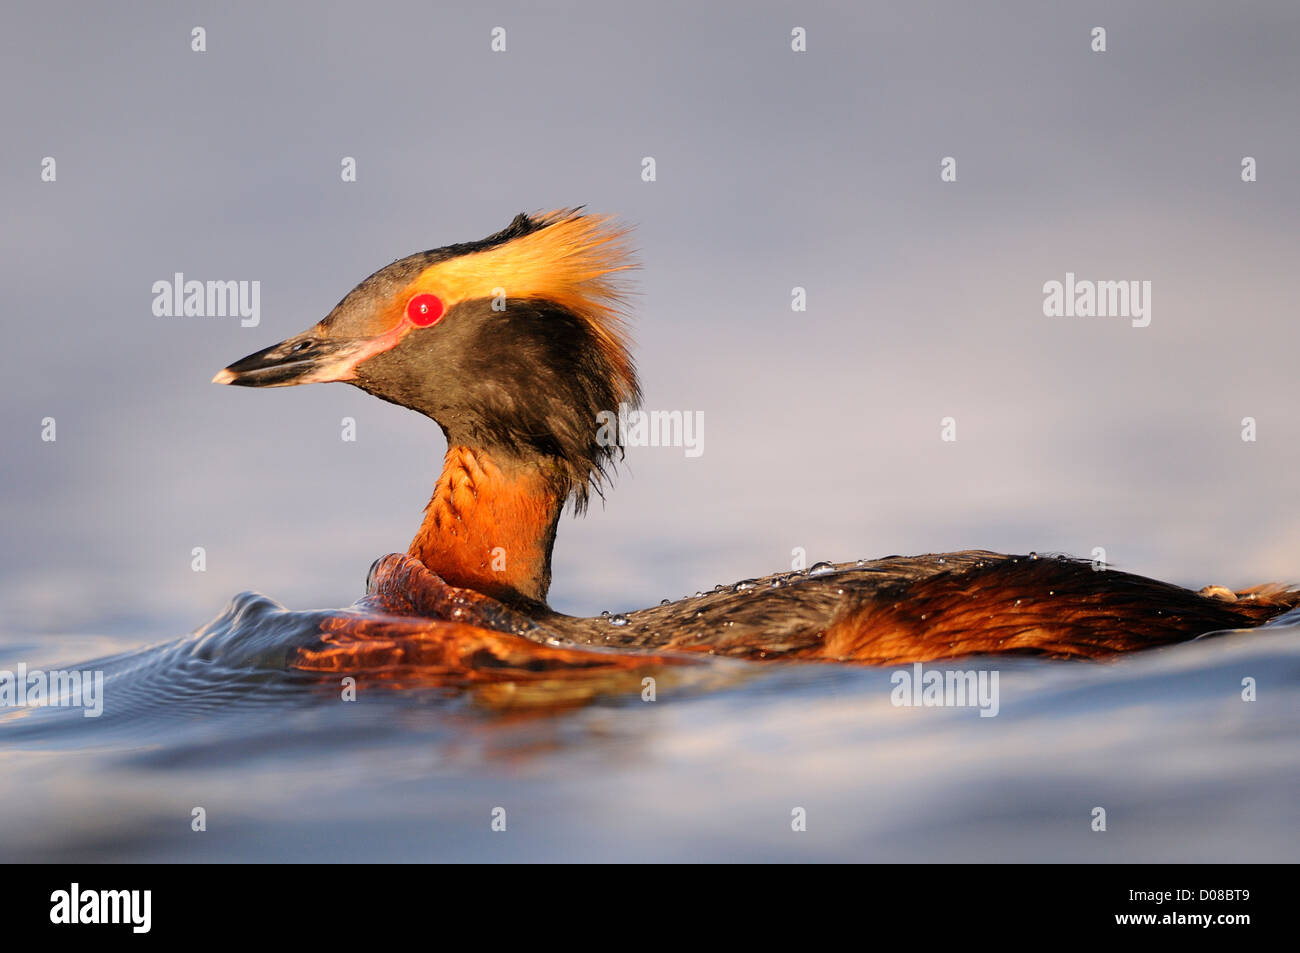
<point>513,344</point>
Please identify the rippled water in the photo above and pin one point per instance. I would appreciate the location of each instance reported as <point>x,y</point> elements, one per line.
<point>585,769</point>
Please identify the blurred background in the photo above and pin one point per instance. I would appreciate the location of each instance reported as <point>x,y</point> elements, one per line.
<point>775,169</point>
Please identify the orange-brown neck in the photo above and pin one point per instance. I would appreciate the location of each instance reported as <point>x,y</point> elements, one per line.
<point>491,529</point>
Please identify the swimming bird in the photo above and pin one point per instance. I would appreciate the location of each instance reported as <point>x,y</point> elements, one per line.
<point>516,343</point>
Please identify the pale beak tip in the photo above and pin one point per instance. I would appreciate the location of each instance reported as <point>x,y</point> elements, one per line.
<point>223,376</point>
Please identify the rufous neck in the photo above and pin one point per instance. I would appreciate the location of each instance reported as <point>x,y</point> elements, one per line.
<point>491,527</point>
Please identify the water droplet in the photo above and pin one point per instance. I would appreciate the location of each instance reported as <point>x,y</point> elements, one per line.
<point>718,587</point>
<point>619,619</point>
<point>663,602</point>
<point>604,614</point>
<point>776,583</point>
<point>1033,555</point>
<point>863,562</point>
<point>821,569</point>
<point>744,584</point>
<point>942,560</point>
<point>698,594</point>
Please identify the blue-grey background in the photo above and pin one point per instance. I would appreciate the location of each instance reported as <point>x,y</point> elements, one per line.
<point>775,170</point>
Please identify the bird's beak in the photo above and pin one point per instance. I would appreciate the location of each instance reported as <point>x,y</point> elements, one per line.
<point>307,358</point>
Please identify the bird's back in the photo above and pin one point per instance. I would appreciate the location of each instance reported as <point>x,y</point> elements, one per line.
<point>919,608</point>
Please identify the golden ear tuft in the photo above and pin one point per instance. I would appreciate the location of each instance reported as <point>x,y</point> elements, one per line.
<point>572,259</point>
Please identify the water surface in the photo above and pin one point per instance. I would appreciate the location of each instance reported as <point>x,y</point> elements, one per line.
<point>585,769</point>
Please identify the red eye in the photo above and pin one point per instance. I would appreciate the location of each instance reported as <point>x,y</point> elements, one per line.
<point>423,310</point>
